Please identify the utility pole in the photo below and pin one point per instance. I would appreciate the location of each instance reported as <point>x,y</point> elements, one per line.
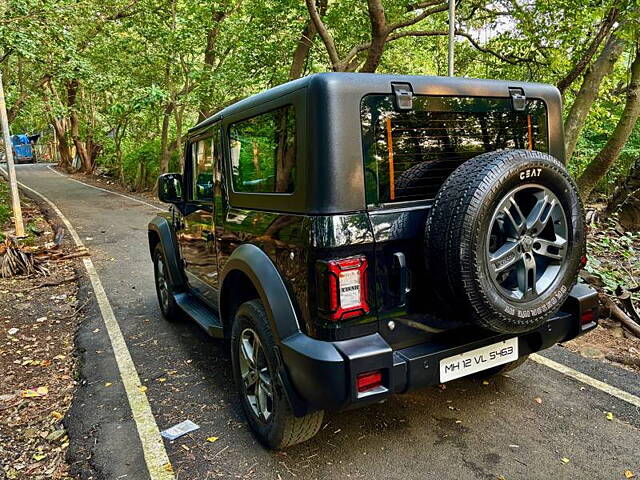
<point>13,184</point>
<point>452,33</point>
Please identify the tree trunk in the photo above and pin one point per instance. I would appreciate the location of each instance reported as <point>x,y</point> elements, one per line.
<point>165,152</point>
<point>178,115</point>
<point>610,152</point>
<point>379,35</point>
<point>81,147</point>
<point>60,127</point>
<point>602,67</point>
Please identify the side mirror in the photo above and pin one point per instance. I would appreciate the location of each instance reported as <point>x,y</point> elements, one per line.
<point>170,188</point>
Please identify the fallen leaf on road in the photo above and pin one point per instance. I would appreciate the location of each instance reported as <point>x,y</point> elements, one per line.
<point>537,400</point>
<point>484,382</point>
<point>185,447</point>
<point>168,467</point>
<point>108,384</point>
<point>565,460</point>
<point>609,416</point>
<point>629,474</point>
<point>56,415</point>
<point>39,456</point>
<point>142,388</point>
<point>38,392</point>
<point>213,439</point>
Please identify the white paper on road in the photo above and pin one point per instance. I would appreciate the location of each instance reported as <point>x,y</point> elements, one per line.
<point>178,430</point>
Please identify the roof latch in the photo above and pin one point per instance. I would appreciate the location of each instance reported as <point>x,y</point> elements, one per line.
<point>403,96</point>
<point>518,99</point>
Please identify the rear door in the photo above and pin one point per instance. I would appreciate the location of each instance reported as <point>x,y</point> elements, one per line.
<point>408,155</point>
<point>197,237</point>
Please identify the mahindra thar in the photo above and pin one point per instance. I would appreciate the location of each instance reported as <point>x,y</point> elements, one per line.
<point>359,235</point>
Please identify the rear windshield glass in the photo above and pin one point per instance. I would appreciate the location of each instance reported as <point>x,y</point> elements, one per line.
<point>408,155</point>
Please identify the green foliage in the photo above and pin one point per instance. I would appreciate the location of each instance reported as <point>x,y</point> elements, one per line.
<point>139,63</point>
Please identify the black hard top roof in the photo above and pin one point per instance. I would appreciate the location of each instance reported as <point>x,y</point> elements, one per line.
<point>367,83</point>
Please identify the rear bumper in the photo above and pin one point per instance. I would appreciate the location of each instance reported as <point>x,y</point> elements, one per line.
<point>324,374</point>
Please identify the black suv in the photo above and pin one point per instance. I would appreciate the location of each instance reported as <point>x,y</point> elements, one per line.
<point>358,235</point>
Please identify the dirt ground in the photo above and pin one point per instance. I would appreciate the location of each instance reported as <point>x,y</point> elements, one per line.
<point>39,316</point>
<point>613,260</point>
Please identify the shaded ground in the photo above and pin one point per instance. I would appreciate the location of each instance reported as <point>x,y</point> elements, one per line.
<point>37,328</point>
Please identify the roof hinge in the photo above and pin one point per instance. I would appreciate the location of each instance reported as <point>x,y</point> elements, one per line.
<point>403,96</point>
<point>518,99</point>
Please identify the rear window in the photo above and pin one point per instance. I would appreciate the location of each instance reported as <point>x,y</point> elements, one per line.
<point>408,155</point>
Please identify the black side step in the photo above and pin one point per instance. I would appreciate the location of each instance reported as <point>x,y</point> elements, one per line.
<point>202,314</point>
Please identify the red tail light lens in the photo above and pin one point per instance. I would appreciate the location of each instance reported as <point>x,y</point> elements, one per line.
<point>368,381</point>
<point>345,284</point>
<point>588,316</point>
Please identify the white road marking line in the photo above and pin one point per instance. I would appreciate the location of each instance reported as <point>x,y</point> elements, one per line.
<point>105,190</point>
<point>153,449</point>
<point>592,382</point>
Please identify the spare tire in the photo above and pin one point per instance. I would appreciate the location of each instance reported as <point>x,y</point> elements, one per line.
<point>505,239</point>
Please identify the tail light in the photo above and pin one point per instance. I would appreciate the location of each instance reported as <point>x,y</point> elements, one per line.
<point>368,381</point>
<point>587,316</point>
<point>342,288</point>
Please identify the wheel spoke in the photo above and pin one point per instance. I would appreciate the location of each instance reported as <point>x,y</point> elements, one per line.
<point>265,382</point>
<point>557,246</point>
<point>519,223</point>
<point>540,214</point>
<point>247,352</point>
<point>249,378</point>
<point>504,258</point>
<point>527,276</point>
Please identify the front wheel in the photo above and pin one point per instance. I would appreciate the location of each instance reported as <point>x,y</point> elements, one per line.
<point>167,303</point>
<point>262,396</point>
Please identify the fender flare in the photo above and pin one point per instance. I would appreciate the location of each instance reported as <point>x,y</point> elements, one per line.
<point>161,227</point>
<point>258,267</point>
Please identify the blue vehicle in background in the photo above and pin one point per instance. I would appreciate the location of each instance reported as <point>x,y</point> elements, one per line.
<point>23,150</point>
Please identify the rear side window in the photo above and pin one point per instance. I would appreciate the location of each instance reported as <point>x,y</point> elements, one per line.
<point>408,155</point>
<point>263,152</point>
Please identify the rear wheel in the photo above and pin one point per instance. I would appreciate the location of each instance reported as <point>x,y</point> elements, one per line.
<point>262,396</point>
<point>505,239</point>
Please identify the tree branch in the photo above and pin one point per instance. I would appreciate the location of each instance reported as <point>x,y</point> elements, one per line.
<point>441,7</point>
<point>583,63</point>
<point>326,37</point>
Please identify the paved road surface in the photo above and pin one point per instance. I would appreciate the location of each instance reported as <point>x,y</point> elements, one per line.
<point>465,431</point>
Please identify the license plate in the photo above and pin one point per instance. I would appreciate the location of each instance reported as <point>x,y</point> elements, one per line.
<point>479,359</point>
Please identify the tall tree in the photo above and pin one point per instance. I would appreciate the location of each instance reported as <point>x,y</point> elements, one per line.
<point>610,152</point>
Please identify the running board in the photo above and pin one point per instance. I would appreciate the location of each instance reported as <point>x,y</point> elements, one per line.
<point>203,315</point>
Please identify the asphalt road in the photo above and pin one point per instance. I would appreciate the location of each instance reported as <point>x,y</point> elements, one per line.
<point>467,430</point>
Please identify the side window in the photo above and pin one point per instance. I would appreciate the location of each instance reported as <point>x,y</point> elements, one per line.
<point>263,152</point>
<point>203,170</point>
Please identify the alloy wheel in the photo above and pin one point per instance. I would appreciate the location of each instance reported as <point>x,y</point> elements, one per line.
<point>162,285</point>
<point>256,378</point>
<point>527,242</point>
